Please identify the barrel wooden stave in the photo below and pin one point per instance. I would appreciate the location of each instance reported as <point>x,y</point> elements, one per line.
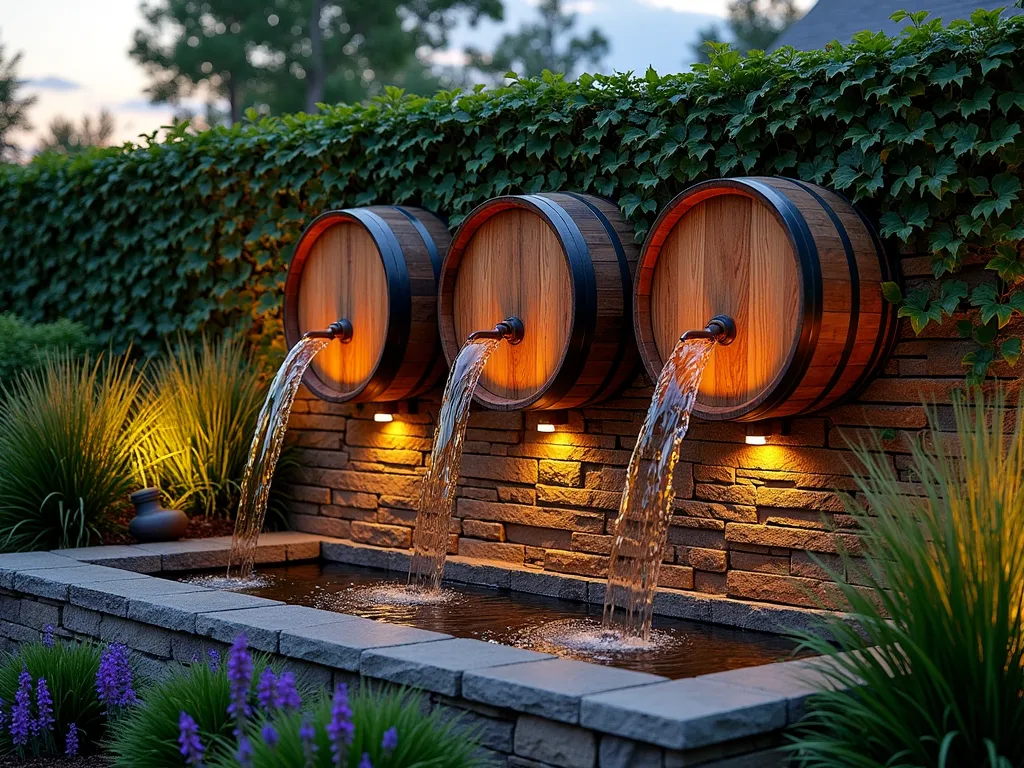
<point>560,263</point>
<point>388,290</point>
<point>798,269</point>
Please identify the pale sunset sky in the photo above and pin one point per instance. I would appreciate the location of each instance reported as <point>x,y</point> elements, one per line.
<point>76,51</point>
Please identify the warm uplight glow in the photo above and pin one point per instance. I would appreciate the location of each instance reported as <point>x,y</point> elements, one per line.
<point>541,427</point>
<point>757,440</point>
<point>383,417</point>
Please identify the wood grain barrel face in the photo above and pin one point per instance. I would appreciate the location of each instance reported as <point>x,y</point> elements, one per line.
<point>376,267</point>
<point>562,264</point>
<point>796,267</point>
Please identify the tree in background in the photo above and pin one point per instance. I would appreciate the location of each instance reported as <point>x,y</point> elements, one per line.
<point>287,55</point>
<point>66,138</point>
<point>536,47</point>
<point>13,110</point>
<point>752,25</point>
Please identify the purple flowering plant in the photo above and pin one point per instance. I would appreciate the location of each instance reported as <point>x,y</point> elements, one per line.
<point>115,680</point>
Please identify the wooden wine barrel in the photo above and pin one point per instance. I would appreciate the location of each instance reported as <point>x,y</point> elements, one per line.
<point>563,264</point>
<point>378,268</point>
<point>798,269</point>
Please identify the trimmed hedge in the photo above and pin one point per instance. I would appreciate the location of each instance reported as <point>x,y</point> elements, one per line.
<point>195,233</point>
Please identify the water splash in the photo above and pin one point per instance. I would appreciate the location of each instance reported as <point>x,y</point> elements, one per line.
<point>646,507</point>
<point>437,497</point>
<point>263,455</point>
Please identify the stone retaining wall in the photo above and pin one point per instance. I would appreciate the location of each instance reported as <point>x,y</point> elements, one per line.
<point>532,710</point>
<point>746,517</point>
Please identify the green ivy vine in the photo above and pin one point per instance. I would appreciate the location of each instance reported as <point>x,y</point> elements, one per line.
<point>194,233</point>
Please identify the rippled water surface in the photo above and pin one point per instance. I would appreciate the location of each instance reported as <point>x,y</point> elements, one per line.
<point>566,628</point>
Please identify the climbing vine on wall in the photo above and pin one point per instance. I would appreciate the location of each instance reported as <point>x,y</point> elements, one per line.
<point>195,233</point>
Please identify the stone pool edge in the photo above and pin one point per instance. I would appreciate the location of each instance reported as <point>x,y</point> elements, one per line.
<point>533,710</point>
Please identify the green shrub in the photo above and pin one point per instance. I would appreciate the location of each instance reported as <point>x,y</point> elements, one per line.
<point>70,433</point>
<point>70,672</point>
<point>23,345</point>
<point>207,401</point>
<point>423,740</point>
<point>924,130</point>
<point>944,607</point>
<point>147,734</point>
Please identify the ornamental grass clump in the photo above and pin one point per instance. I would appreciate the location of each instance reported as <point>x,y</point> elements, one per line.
<point>70,433</point>
<point>207,400</point>
<point>943,560</point>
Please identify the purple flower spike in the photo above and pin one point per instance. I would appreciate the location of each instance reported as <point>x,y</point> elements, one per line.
<point>365,762</point>
<point>340,729</point>
<point>71,741</point>
<point>267,690</point>
<point>3,715</point>
<point>21,713</point>
<point>115,679</point>
<point>307,735</point>
<point>213,659</point>
<point>240,677</point>
<point>287,694</point>
<point>44,707</point>
<point>48,636</point>
<point>269,735</point>
<point>188,739</point>
<point>390,739</point>
<point>244,753</point>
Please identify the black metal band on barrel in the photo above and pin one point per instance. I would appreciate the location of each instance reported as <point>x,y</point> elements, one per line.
<point>813,299</point>
<point>399,299</point>
<point>584,287</point>
<point>626,332</point>
<point>851,261</point>
<point>428,241</point>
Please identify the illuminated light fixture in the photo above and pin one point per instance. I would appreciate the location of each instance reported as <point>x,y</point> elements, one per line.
<point>547,421</point>
<point>758,432</point>
<point>385,412</point>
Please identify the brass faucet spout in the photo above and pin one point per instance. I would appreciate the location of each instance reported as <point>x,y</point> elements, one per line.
<point>720,328</point>
<point>510,329</point>
<point>339,329</point>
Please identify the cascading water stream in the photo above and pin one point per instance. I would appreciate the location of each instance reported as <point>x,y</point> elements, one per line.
<point>645,511</point>
<point>437,498</point>
<point>263,455</point>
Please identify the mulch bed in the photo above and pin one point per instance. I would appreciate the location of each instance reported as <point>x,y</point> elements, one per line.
<point>198,528</point>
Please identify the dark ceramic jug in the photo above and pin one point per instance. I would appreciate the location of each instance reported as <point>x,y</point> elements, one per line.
<point>152,522</point>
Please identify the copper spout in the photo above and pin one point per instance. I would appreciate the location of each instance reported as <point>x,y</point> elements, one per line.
<point>721,328</point>
<point>339,329</point>
<point>510,329</point>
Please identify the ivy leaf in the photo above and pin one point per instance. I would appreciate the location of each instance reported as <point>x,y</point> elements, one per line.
<point>986,299</point>
<point>845,176</point>
<point>1007,263</point>
<point>1010,350</point>
<point>950,72</point>
<point>891,292</point>
<point>978,361</point>
<point>1005,187</point>
<point>952,292</point>
<point>1001,134</point>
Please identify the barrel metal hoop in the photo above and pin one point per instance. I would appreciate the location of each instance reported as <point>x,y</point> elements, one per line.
<point>851,260</point>
<point>886,338</point>
<point>810,269</point>
<point>626,333</point>
<point>428,241</point>
<point>396,339</point>
<point>581,270</point>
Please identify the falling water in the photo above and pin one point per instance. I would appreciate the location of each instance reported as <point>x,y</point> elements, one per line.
<point>263,455</point>
<point>646,507</point>
<point>437,499</point>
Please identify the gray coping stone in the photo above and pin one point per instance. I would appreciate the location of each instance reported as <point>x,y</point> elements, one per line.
<point>342,643</point>
<point>113,596</point>
<point>262,626</point>
<point>439,666</point>
<point>796,681</point>
<point>684,714</point>
<point>551,689</point>
<point>363,554</point>
<point>130,557</point>
<point>179,612</point>
<point>55,582</point>
<point>463,571</point>
<point>13,562</point>
<point>549,584</point>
